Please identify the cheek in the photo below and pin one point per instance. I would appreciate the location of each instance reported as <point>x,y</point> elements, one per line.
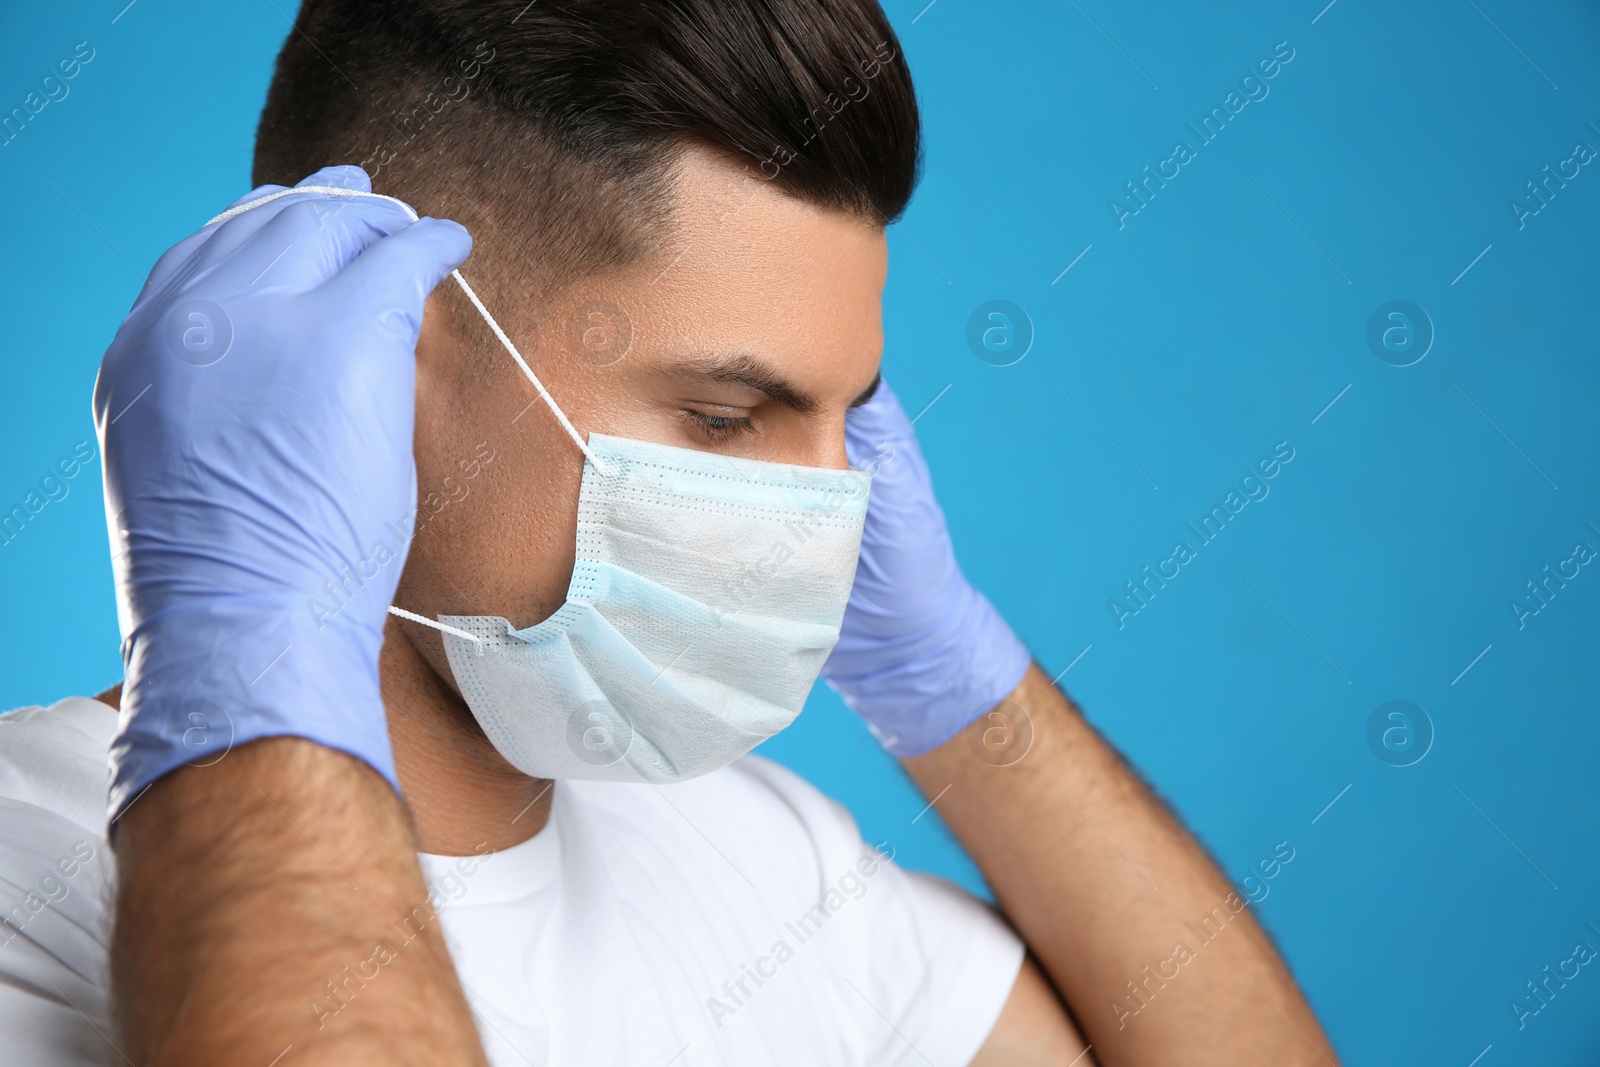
<point>506,548</point>
<point>524,527</point>
<point>503,542</point>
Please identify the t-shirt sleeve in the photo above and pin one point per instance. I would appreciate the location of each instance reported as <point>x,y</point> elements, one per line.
<point>926,966</point>
<point>53,877</point>
<point>940,967</point>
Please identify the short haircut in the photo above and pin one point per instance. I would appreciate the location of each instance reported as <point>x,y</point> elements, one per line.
<point>550,127</point>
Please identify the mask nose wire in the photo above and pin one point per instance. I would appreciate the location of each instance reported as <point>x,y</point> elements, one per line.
<point>544,394</point>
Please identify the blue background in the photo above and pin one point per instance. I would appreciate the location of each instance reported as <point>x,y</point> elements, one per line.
<point>1221,319</point>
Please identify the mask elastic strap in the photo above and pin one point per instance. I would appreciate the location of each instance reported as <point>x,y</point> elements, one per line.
<point>424,620</point>
<point>544,394</point>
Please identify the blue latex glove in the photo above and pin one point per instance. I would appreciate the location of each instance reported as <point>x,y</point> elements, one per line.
<point>921,653</point>
<point>255,412</point>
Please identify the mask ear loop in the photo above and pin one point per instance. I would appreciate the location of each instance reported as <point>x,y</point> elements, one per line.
<point>544,394</point>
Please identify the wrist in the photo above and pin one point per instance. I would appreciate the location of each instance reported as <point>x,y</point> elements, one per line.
<point>207,677</point>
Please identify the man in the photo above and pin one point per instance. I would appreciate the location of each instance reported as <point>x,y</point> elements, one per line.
<point>623,552</point>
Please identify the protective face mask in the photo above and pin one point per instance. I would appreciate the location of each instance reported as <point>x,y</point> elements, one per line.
<point>706,594</point>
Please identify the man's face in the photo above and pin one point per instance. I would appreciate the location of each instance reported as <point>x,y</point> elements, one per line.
<point>750,333</point>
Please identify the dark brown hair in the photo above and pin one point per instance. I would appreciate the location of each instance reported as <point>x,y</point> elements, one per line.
<point>550,127</point>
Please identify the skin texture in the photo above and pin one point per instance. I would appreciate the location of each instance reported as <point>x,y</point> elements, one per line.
<point>1102,882</point>
<point>749,276</point>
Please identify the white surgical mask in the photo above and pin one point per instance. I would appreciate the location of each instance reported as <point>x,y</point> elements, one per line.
<point>706,595</point>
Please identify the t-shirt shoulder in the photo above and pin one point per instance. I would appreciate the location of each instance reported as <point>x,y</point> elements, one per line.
<point>55,758</point>
<point>55,874</point>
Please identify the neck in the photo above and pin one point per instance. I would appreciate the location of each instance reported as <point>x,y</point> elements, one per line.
<point>462,794</point>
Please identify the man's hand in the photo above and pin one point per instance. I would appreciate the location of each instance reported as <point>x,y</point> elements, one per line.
<point>1095,874</point>
<point>256,414</point>
<point>921,653</point>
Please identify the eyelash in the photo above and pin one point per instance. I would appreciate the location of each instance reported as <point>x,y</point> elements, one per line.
<point>719,428</point>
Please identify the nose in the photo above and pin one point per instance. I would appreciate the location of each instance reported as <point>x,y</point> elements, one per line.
<point>824,446</point>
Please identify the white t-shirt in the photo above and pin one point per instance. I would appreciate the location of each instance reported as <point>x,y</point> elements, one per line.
<point>734,919</point>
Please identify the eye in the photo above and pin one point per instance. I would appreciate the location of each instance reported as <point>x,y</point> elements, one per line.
<point>718,429</point>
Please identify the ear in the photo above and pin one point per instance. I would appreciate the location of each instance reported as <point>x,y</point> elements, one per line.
<point>439,344</point>
<point>443,384</point>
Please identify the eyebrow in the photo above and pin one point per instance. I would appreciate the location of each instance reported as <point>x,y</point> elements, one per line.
<point>869,392</point>
<point>747,370</point>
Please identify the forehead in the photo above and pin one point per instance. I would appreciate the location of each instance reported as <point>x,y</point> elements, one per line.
<point>747,266</point>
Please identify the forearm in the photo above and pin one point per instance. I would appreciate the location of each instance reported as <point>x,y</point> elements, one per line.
<point>274,900</point>
<point>1103,885</point>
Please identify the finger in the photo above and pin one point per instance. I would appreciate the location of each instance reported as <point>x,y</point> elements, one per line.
<point>306,243</point>
<point>256,194</point>
<point>168,266</point>
<point>343,176</point>
<point>394,277</point>
<point>181,255</point>
<point>220,241</point>
<point>228,236</point>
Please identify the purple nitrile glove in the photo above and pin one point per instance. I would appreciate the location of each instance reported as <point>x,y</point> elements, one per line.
<point>255,412</point>
<point>921,653</point>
